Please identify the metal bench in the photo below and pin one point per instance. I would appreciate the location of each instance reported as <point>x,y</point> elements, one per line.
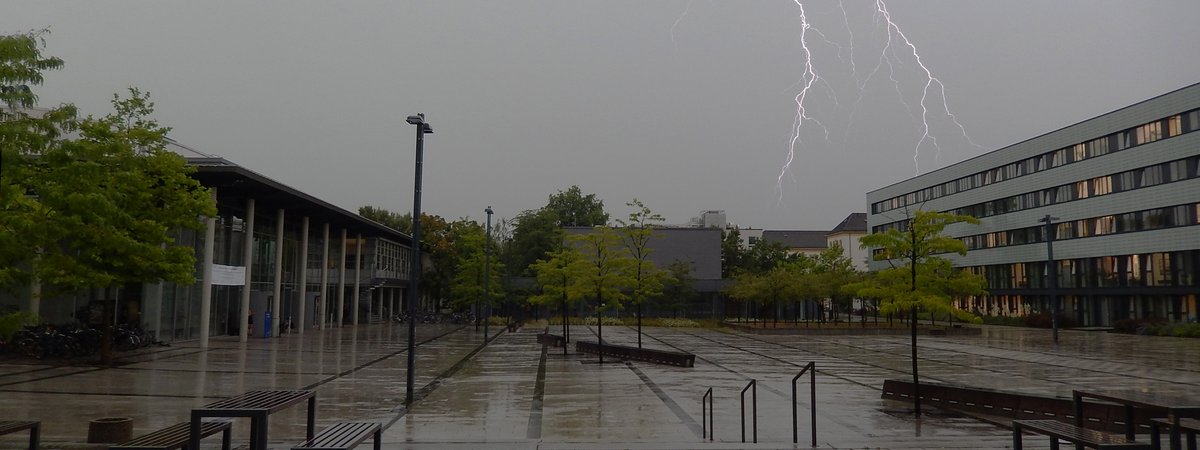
<point>176,436</point>
<point>1077,435</point>
<point>13,426</point>
<point>1189,426</point>
<point>638,354</point>
<point>343,436</point>
<point>552,340</point>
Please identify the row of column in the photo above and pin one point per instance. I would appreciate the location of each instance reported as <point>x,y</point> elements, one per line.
<point>248,252</point>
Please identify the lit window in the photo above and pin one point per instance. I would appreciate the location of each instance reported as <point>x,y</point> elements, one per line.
<point>1149,132</point>
<point>1106,225</point>
<point>1102,185</point>
<point>1174,125</point>
<point>1080,152</point>
<point>1081,189</point>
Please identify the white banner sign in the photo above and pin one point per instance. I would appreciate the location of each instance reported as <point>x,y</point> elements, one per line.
<point>228,275</point>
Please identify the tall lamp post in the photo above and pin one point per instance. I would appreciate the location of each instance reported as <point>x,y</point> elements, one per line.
<point>1052,274</point>
<point>487,274</point>
<point>414,277</point>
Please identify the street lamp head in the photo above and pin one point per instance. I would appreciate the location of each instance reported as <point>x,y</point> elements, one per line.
<point>488,210</point>
<point>417,119</point>
<point>425,128</point>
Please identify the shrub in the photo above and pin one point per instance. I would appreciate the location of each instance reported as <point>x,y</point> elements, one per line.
<point>11,323</point>
<point>677,323</point>
<point>1191,330</point>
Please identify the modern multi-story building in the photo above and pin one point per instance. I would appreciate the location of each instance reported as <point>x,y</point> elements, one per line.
<point>271,249</point>
<point>1122,194</point>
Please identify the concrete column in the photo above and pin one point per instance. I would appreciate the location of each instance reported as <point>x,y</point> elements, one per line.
<point>248,257</point>
<point>206,263</point>
<point>276,313</point>
<point>302,300</point>
<point>391,301</point>
<point>341,305</point>
<point>324,300</point>
<point>357,275</point>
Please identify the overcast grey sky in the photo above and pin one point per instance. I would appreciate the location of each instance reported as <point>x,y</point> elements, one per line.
<point>686,105</point>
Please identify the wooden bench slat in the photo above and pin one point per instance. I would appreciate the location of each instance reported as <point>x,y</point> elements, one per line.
<point>174,436</point>
<point>1061,430</point>
<point>342,436</point>
<point>13,426</point>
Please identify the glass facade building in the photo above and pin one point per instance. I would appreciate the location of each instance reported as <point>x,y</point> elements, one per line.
<point>353,270</point>
<point>1123,192</point>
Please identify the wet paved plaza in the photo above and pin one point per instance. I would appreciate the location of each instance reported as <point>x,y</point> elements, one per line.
<point>514,393</point>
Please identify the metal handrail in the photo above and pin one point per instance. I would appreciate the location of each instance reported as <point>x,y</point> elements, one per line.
<point>753,386</point>
<point>706,412</point>
<point>811,369</point>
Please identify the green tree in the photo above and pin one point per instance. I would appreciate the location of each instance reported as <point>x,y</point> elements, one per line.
<point>764,256</point>
<point>467,283</point>
<point>390,219</point>
<point>732,252</point>
<point>831,271</point>
<point>535,234</point>
<point>25,134</point>
<point>678,291</point>
<point>605,276</point>
<point>557,277</point>
<point>768,289</point>
<point>577,210</point>
<point>917,277</point>
<point>636,234</point>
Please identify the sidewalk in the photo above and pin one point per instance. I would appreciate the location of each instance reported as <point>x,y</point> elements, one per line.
<point>513,394</point>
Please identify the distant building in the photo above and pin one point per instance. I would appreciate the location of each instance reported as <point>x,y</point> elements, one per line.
<point>712,218</point>
<point>849,234</point>
<point>806,242</point>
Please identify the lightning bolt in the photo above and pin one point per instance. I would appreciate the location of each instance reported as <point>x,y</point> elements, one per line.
<point>806,81</point>
<point>882,11</point>
<point>896,45</point>
<point>676,24</point>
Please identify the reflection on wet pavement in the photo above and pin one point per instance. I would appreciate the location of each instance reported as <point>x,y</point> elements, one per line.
<point>514,394</point>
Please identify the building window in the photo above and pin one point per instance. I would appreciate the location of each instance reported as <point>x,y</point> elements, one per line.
<point>1102,185</point>
<point>1149,132</point>
<point>1174,126</point>
<point>1106,225</point>
<point>1152,176</point>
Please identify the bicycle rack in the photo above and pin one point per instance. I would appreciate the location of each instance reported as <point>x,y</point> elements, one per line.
<point>811,369</point>
<point>706,412</point>
<point>753,387</point>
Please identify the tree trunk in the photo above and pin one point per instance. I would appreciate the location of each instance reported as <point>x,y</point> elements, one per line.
<point>916,379</point>
<point>639,312</point>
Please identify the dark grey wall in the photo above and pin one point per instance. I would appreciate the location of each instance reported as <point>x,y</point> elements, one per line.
<point>701,246</point>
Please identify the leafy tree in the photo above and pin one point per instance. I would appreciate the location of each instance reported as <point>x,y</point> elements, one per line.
<point>557,276</point>
<point>24,136</point>
<point>467,283</point>
<point>764,256</point>
<point>577,210</point>
<point>605,276</point>
<point>677,287</point>
<point>535,234</point>
<point>768,289</point>
<point>916,277</point>
<point>831,270</point>
<point>390,219</point>
<point>98,210</point>
<point>636,234</point>
<point>732,253</point>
